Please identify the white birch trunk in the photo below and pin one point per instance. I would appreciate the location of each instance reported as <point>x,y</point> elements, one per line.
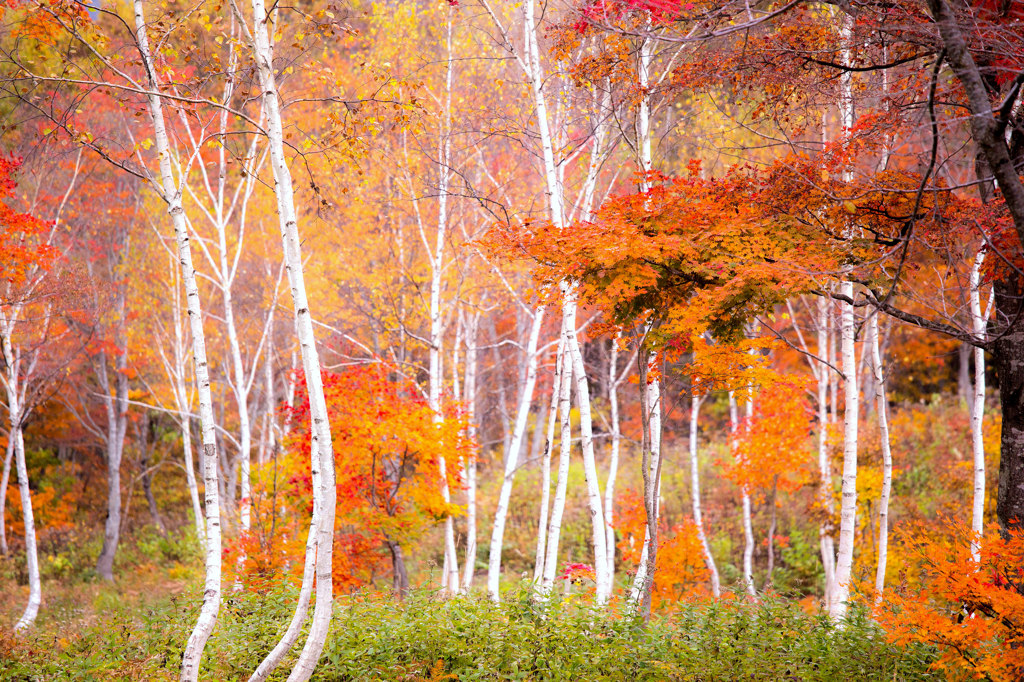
<point>545,468</point>
<point>177,375</point>
<point>171,194</point>
<point>882,406</point>
<point>643,581</point>
<point>698,519</point>
<point>512,458</point>
<point>561,484</point>
<point>572,349</point>
<point>322,450</point>
<point>31,551</point>
<point>14,382</point>
<point>979,322</point>
<point>613,457</point>
<point>4,481</point>
<point>470,390</point>
<point>825,540</point>
<point>851,411</point>
<point>748,529</point>
<point>848,510</point>
<point>450,574</point>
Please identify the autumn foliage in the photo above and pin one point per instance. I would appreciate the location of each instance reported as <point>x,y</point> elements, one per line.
<point>388,446</point>
<point>972,611</point>
<point>681,573</point>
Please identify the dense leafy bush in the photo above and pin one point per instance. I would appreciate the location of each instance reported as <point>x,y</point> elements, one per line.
<point>425,638</point>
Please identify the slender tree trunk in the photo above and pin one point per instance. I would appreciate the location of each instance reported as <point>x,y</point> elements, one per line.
<point>827,545</point>
<point>31,551</point>
<point>650,406</point>
<point>565,450</point>
<point>773,512</point>
<point>117,422</point>
<point>472,328</point>
<point>241,394</point>
<point>4,481</point>
<point>695,494</point>
<point>177,373</point>
<point>400,581</point>
<point>322,452</point>
<point>613,455</point>
<point>964,389</point>
<point>450,577</point>
<point>145,431</point>
<point>748,529</point>
<point>883,428</point>
<point>572,349</point>
<point>848,511</point>
<point>171,194</point>
<point>976,402</point>
<point>545,467</point>
<point>512,459</point>
<point>851,411</point>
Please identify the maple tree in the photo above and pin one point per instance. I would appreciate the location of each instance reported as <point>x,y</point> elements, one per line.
<point>967,602</point>
<point>388,450</point>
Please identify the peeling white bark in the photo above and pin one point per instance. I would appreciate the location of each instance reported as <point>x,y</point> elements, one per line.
<point>171,194</point>
<point>979,322</point>
<point>848,509</point>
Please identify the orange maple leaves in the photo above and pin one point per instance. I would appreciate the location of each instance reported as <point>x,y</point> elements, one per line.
<point>973,611</point>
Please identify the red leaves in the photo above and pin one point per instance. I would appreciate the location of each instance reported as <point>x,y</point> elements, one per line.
<point>22,245</point>
<point>577,573</point>
<point>388,446</point>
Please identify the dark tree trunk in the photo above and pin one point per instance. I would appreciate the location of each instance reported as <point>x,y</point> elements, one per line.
<point>771,534</point>
<point>964,387</point>
<point>147,438</point>
<point>400,574</point>
<point>1008,355</point>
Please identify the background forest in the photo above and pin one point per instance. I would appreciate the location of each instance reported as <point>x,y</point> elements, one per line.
<point>476,340</point>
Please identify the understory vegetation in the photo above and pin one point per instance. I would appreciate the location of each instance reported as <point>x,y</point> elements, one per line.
<point>141,636</point>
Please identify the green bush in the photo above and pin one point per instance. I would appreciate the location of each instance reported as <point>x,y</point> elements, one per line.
<point>373,638</point>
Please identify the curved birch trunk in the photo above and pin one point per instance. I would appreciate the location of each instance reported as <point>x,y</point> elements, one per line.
<point>512,458</point>
<point>291,633</point>
<point>322,450</point>
<point>4,481</point>
<point>171,194</point>
<point>31,550</point>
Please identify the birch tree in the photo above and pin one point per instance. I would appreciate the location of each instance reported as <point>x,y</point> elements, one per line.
<point>322,450</point>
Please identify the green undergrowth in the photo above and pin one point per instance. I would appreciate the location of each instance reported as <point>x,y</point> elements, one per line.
<point>425,638</point>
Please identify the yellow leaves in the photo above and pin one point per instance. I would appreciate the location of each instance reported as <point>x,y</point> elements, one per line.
<point>146,143</point>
